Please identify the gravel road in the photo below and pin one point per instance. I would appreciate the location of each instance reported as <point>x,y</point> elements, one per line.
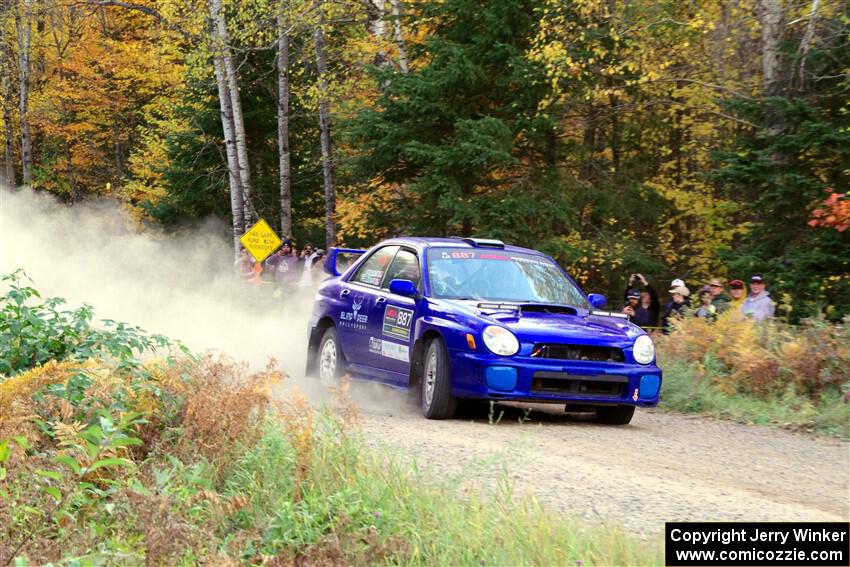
<point>661,467</point>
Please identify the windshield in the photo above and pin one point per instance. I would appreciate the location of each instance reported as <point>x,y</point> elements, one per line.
<point>499,275</point>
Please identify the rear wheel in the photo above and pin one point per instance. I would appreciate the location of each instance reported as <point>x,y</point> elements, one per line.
<point>330,358</point>
<point>437,399</point>
<point>615,415</point>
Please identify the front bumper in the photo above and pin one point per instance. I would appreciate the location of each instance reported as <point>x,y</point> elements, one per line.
<point>519,378</point>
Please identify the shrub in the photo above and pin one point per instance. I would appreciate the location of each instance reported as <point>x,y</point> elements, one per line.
<point>763,359</point>
<point>792,374</point>
<point>35,330</point>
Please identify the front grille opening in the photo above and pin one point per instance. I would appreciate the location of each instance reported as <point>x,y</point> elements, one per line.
<point>578,352</point>
<point>568,384</point>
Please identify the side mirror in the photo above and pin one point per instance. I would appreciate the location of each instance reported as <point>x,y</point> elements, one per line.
<point>403,287</point>
<point>597,300</point>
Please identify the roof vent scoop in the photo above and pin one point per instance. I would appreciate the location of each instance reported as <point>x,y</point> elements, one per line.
<point>482,242</point>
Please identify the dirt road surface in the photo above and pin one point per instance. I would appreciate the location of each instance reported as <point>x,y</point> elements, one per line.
<point>661,467</point>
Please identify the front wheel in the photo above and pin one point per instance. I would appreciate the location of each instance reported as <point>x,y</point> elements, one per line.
<point>330,358</point>
<point>614,415</point>
<point>437,399</point>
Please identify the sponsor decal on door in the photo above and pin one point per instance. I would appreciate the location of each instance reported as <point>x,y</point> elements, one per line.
<point>354,319</point>
<point>389,349</point>
<point>397,322</point>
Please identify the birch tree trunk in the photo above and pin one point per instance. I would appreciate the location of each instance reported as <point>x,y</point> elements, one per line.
<point>8,132</point>
<point>232,83</point>
<point>24,29</point>
<point>237,206</point>
<point>771,16</point>
<point>398,36</point>
<point>283,122</point>
<point>6,66</point>
<point>325,131</point>
<point>375,13</point>
<point>805,43</point>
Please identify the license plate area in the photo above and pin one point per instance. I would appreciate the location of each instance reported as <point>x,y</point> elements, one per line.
<point>561,383</point>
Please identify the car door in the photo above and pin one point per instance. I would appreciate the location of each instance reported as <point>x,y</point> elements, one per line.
<point>357,297</point>
<point>391,320</point>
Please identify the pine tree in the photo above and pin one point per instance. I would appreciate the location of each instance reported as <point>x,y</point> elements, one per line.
<point>459,132</point>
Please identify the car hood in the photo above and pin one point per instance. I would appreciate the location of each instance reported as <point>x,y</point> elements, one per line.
<point>570,324</point>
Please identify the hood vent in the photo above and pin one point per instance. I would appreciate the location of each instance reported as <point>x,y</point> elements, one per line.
<point>548,309</point>
<point>520,308</point>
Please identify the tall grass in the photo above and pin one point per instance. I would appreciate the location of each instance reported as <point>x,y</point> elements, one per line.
<point>773,374</point>
<point>294,486</point>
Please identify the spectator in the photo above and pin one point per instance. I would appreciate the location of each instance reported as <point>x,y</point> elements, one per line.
<point>707,309</point>
<point>642,306</point>
<point>245,265</point>
<point>738,291</point>
<point>758,305</point>
<point>676,308</point>
<point>632,300</point>
<point>308,251</point>
<point>679,283</point>
<point>285,266</point>
<point>257,274</point>
<point>719,299</point>
<point>319,264</point>
<point>312,266</point>
<point>272,261</point>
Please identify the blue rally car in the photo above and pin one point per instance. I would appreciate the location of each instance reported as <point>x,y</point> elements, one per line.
<point>474,319</point>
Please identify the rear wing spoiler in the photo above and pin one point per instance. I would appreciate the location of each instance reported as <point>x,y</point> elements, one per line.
<point>331,262</point>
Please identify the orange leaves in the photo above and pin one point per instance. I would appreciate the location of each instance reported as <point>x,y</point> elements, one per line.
<point>98,72</point>
<point>833,212</point>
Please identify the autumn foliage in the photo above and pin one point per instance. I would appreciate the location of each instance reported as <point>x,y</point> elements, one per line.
<point>832,212</point>
<point>741,356</point>
<point>672,139</point>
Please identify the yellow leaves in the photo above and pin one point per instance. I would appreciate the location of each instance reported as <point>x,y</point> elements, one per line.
<point>67,434</point>
<point>760,358</point>
<point>16,406</point>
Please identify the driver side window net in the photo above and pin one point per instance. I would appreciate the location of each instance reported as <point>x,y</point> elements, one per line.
<point>373,269</point>
<point>405,266</point>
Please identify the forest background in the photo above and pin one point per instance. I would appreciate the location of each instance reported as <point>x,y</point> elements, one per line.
<point>689,139</point>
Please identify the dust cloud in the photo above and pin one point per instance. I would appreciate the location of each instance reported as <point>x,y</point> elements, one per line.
<point>181,285</point>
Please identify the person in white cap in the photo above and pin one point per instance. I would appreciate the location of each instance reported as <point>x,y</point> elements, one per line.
<point>677,307</point>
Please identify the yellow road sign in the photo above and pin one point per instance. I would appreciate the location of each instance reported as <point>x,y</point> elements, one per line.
<point>260,240</point>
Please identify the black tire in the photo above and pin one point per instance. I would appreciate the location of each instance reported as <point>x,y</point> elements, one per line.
<point>329,375</point>
<point>614,415</point>
<point>437,399</point>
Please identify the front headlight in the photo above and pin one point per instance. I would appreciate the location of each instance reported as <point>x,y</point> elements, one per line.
<point>500,340</point>
<point>644,350</point>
